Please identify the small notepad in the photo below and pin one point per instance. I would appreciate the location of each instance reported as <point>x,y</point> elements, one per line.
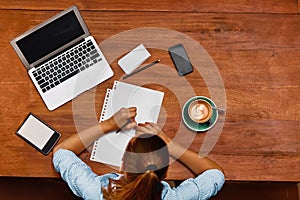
<point>110,148</point>
<point>134,59</point>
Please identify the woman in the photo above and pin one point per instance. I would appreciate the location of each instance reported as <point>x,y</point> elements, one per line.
<point>145,165</point>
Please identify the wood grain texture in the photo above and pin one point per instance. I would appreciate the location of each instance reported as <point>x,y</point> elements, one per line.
<point>231,6</point>
<point>257,56</point>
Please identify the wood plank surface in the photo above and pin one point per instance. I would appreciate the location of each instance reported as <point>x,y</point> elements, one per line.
<point>231,6</point>
<point>257,55</point>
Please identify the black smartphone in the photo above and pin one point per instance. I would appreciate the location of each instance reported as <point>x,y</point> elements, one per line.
<point>38,134</point>
<point>180,59</point>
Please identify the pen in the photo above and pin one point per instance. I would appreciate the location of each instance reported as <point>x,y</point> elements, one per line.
<point>128,121</point>
<point>141,69</point>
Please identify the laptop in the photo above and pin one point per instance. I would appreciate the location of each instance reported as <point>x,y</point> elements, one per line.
<point>62,59</point>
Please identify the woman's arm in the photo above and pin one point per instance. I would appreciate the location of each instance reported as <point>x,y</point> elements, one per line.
<point>192,160</point>
<point>80,141</point>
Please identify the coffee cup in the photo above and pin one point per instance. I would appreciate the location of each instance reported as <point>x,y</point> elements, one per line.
<point>200,111</point>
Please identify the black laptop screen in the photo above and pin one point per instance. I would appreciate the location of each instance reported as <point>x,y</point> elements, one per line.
<point>50,37</point>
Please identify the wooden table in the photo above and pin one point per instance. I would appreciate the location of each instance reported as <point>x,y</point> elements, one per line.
<point>255,48</point>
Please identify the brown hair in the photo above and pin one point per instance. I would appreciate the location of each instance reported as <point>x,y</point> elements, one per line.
<point>145,164</point>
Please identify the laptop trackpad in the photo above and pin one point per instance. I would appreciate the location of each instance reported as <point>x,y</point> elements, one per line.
<point>82,83</point>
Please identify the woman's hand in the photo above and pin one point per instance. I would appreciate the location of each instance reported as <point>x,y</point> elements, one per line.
<point>121,117</point>
<point>78,142</point>
<point>152,128</point>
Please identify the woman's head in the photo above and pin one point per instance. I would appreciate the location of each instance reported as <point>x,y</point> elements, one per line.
<point>143,153</point>
<point>145,164</point>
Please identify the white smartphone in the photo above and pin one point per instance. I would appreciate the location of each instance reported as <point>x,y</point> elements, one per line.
<point>38,134</point>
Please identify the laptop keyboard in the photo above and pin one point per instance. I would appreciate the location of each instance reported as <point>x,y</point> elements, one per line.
<point>66,65</point>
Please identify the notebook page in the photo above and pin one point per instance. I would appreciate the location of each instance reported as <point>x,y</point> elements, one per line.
<point>147,101</point>
<point>109,149</point>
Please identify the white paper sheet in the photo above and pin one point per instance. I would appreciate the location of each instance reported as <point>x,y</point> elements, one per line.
<point>110,148</point>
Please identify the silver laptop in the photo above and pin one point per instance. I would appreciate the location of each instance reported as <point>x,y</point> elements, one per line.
<point>62,58</point>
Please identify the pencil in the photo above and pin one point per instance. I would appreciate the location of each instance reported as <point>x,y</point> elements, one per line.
<point>141,69</point>
<point>128,121</point>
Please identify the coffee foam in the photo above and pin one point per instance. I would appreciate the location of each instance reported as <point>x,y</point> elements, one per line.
<point>199,111</point>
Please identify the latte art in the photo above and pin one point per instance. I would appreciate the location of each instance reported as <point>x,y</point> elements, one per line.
<point>199,111</point>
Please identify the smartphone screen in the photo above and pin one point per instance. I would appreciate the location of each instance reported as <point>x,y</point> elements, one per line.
<point>38,134</point>
<point>180,59</point>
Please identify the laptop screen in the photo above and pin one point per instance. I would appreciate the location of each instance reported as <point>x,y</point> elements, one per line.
<point>50,37</point>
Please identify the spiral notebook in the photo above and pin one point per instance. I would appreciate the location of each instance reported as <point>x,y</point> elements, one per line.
<point>109,148</point>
